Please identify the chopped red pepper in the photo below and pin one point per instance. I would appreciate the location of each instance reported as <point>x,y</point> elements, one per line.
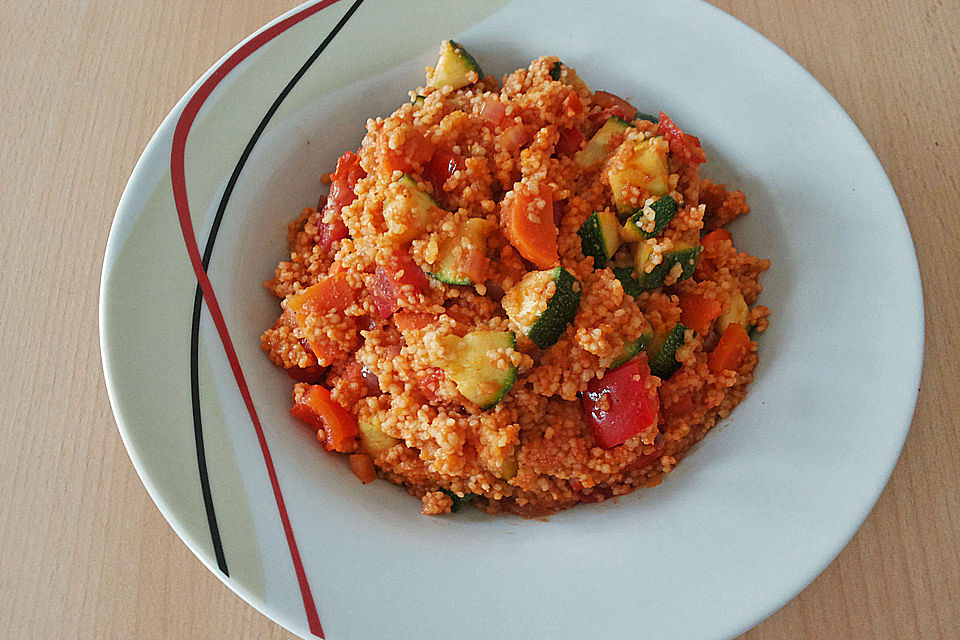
<point>620,107</point>
<point>390,278</point>
<point>342,184</point>
<point>414,150</point>
<point>571,139</point>
<point>572,104</point>
<point>622,404</point>
<point>442,165</point>
<point>698,312</point>
<point>730,350</point>
<point>333,293</point>
<point>683,146</point>
<point>336,428</point>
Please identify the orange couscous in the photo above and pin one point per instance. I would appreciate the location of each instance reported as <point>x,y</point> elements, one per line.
<point>517,294</point>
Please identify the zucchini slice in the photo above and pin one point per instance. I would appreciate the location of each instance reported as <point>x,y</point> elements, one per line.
<point>599,147</point>
<point>630,284</point>
<point>662,352</point>
<point>510,468</point>
<point>460,259</point>
<point>632,349</point>
<point>542,314</point>
<point>645,167</point>
<point>664,211</point>
<point>372,438</point>
<point>647,117</point>
<point>456,68</point>
<point>737,312</point>
<point>417,100</point>
<point>410,210</point>
<point>684,254</point>
<point>600,237</point>
<point>479,377</point>
<point>458,501</point>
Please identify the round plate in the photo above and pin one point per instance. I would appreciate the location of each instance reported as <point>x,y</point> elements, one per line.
<point>754,513</point>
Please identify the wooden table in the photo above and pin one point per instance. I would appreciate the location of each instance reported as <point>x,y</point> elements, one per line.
<point>84,553</point>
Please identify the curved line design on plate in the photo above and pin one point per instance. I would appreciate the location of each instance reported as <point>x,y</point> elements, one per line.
<point>205,291</point>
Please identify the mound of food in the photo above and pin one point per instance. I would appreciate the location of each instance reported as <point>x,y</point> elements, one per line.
<point>518,295</point>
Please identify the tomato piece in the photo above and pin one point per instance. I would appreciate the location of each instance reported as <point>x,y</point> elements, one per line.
<point>622,404</point>
<point>401,272</point>
<point>333,293</point>
<point>531,228</point>
<point>698,312</point>
<point>514,137</point>
<point>608,100</point>
<point>414,150</point>
<point>730,350</point>
<point>571,139</point>
<point>336,428</point>
<point>683,146</point>
<point>429,380</point>
<point>362,466</point>
<point>442,165</point>
<point>492,111</point>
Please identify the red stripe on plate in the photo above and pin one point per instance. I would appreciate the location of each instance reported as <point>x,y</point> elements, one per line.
<point>178,178</point>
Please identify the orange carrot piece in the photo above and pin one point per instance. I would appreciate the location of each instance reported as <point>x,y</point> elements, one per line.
<point>531,228</point>
<point>336,428</point>
<point>698,312</point>
<point>362,466</point>
<point>730,350</point>
<point>333,293</point>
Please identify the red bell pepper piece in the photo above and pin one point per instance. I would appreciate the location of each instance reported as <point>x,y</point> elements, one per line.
<point>414,150</point>
<point>730,350</point>
<point>698,312</point>
<point>442,165</point>
<point>683,146</point>
<point>333,293</point>
<point>336,428</point>
<point>571,139</point>
<point>342,184</point>
<point>622,404</point>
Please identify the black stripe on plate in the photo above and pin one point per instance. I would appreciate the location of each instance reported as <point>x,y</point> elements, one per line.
<point>198,296</point>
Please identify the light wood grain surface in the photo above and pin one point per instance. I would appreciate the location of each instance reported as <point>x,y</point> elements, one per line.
<point>84,553</point>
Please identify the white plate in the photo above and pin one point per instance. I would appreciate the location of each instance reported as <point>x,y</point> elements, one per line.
<point>751,517</point>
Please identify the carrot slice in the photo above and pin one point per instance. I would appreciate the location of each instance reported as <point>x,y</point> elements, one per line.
<point>336,428</point>
<point>362,466</point>
<point>730,350</point>
<point>530,227</point>
<point>698,312</point>
<point>333,293</point>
